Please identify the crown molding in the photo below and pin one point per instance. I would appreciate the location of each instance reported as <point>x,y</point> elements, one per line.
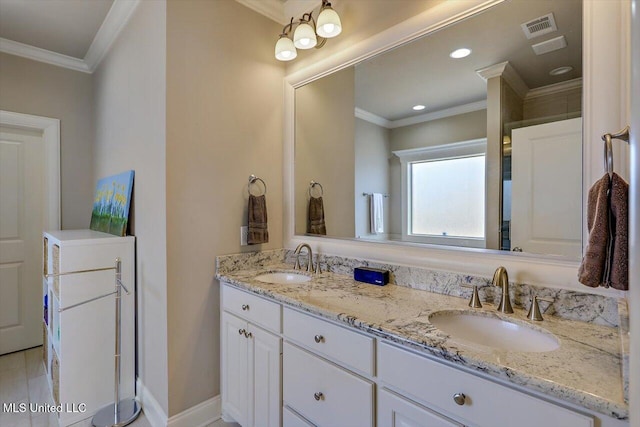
<point>372,118</point>
<point>434,115</point>
<point>508,73</point>
<point>118,16</point>
<point>555,88</point>
<point>280,11</point>
<point>42,55</point>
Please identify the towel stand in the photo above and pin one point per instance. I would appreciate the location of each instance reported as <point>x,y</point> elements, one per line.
<point>312,185</point>
<point>252,180</point>
<point>608,148</point>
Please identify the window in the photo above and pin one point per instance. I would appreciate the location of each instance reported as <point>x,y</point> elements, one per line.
<point>443,194</point>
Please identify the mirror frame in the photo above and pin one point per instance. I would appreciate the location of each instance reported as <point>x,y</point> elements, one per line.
<point>605,109</point>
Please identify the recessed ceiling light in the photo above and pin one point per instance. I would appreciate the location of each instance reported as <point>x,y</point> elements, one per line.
<point>560,70</point>
<point>419,107</point>
<point>460,53</point>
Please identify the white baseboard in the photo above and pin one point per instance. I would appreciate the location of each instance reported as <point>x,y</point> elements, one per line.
<point>200,415</point>
<point>150,406</point>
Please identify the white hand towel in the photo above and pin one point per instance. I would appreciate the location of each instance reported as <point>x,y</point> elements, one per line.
<point>376,213</point>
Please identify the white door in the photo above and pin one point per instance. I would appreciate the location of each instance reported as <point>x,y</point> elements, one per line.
<point>235,375</point>
<point>546,207</point>
<point>21,224</point>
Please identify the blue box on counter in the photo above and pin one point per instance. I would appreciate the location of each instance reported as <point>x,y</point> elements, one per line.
<point>375,276</point>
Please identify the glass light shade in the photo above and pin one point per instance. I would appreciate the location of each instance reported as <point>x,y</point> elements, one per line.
<point>328,24</point>
<point>305,36</point>
<point>285,50</point>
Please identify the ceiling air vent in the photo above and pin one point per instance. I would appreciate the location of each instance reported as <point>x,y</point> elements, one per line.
<point>539,26</point>
<point>549,45</point>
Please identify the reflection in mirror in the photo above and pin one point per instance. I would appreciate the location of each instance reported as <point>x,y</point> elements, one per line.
<point>483,151</point>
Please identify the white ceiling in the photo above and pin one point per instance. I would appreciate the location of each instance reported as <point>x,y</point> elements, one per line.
<point>67,27</point>
<point>74,34</point>
<point>422,72</point>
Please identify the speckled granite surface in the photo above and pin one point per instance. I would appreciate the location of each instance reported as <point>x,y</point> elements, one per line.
<point>585,370</point>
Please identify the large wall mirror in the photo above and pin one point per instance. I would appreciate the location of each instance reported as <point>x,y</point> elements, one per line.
<point>483,151</point>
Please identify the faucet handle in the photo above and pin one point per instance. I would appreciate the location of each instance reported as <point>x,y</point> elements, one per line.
<point>317,269</point>
<point>534,311</point>
<point>474,302</point>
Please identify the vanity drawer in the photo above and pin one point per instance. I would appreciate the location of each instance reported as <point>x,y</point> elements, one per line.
<point>345,399</point>
<point>489,404</point>
<point>349,348</point>
<point>252,308</point>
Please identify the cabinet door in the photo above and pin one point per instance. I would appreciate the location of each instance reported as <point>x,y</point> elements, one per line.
<point>265,362</point>
<point>236,399</point>
<point>394,411</point>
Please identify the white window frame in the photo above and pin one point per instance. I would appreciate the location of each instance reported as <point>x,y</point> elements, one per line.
<point>453,150</point>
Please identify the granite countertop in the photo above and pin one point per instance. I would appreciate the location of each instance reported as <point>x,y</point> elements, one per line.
<point>585,370</point>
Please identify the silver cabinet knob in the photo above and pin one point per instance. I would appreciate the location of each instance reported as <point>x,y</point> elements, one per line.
<point>242,331</point>
<point>245,307</point>
<point>318,396</point>
<point>248,334</point>
<point>459,398</point>
<point>318,339</point>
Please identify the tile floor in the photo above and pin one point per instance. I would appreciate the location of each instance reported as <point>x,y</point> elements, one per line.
<point>23,380</point>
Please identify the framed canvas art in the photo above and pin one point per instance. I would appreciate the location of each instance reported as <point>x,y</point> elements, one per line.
<point>111,204</point>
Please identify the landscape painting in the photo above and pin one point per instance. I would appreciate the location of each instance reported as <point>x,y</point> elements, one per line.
<point>111,204</point>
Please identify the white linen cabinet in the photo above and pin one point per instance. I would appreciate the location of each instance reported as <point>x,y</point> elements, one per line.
<point>79,340</point>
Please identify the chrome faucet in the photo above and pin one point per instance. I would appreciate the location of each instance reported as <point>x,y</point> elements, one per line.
<point>309,260</point>
<point>501,278</point>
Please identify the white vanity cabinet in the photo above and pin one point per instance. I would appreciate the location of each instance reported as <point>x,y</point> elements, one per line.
<point>321,367</point>
<point>465,397</point>
<point>251,359</point>
<point>282,366</point>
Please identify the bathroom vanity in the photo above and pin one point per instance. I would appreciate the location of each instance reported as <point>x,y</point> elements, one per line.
<point>363,355</point>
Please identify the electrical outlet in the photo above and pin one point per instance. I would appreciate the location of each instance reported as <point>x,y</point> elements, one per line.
<point>244,230</point>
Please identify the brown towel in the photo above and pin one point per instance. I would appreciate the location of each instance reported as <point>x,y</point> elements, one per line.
<point>591,270</point>
<point>258,232</point>
<point>606,258</point>
<point>315,224</point>
<point>619,219</point>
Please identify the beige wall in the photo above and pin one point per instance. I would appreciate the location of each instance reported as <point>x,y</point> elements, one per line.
<point>130,94</point>
<point>372,158</point>
<point>325,132</point>
<point>40,89</point>
<point>462,127</point>
<point>224,122</point>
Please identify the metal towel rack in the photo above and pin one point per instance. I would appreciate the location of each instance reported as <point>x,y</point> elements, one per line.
<point>371,194</point>
<point>312,185</point>
<point>122,412</point>
<point>608,148</point>
<point>252,180</point>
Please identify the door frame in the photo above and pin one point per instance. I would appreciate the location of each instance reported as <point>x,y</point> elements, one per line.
<point>50,129</point>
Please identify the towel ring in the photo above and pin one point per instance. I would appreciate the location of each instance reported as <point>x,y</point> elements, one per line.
<point>252,180</point>
<point>312,185</point>
<point>608,148</point>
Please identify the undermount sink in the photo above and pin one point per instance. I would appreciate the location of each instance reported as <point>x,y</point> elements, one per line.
<point>489,331</point>
<point>283,278</point>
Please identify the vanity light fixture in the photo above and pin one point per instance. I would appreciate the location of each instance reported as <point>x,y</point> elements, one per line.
<point>460,53</point>
<point>304,36</point>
